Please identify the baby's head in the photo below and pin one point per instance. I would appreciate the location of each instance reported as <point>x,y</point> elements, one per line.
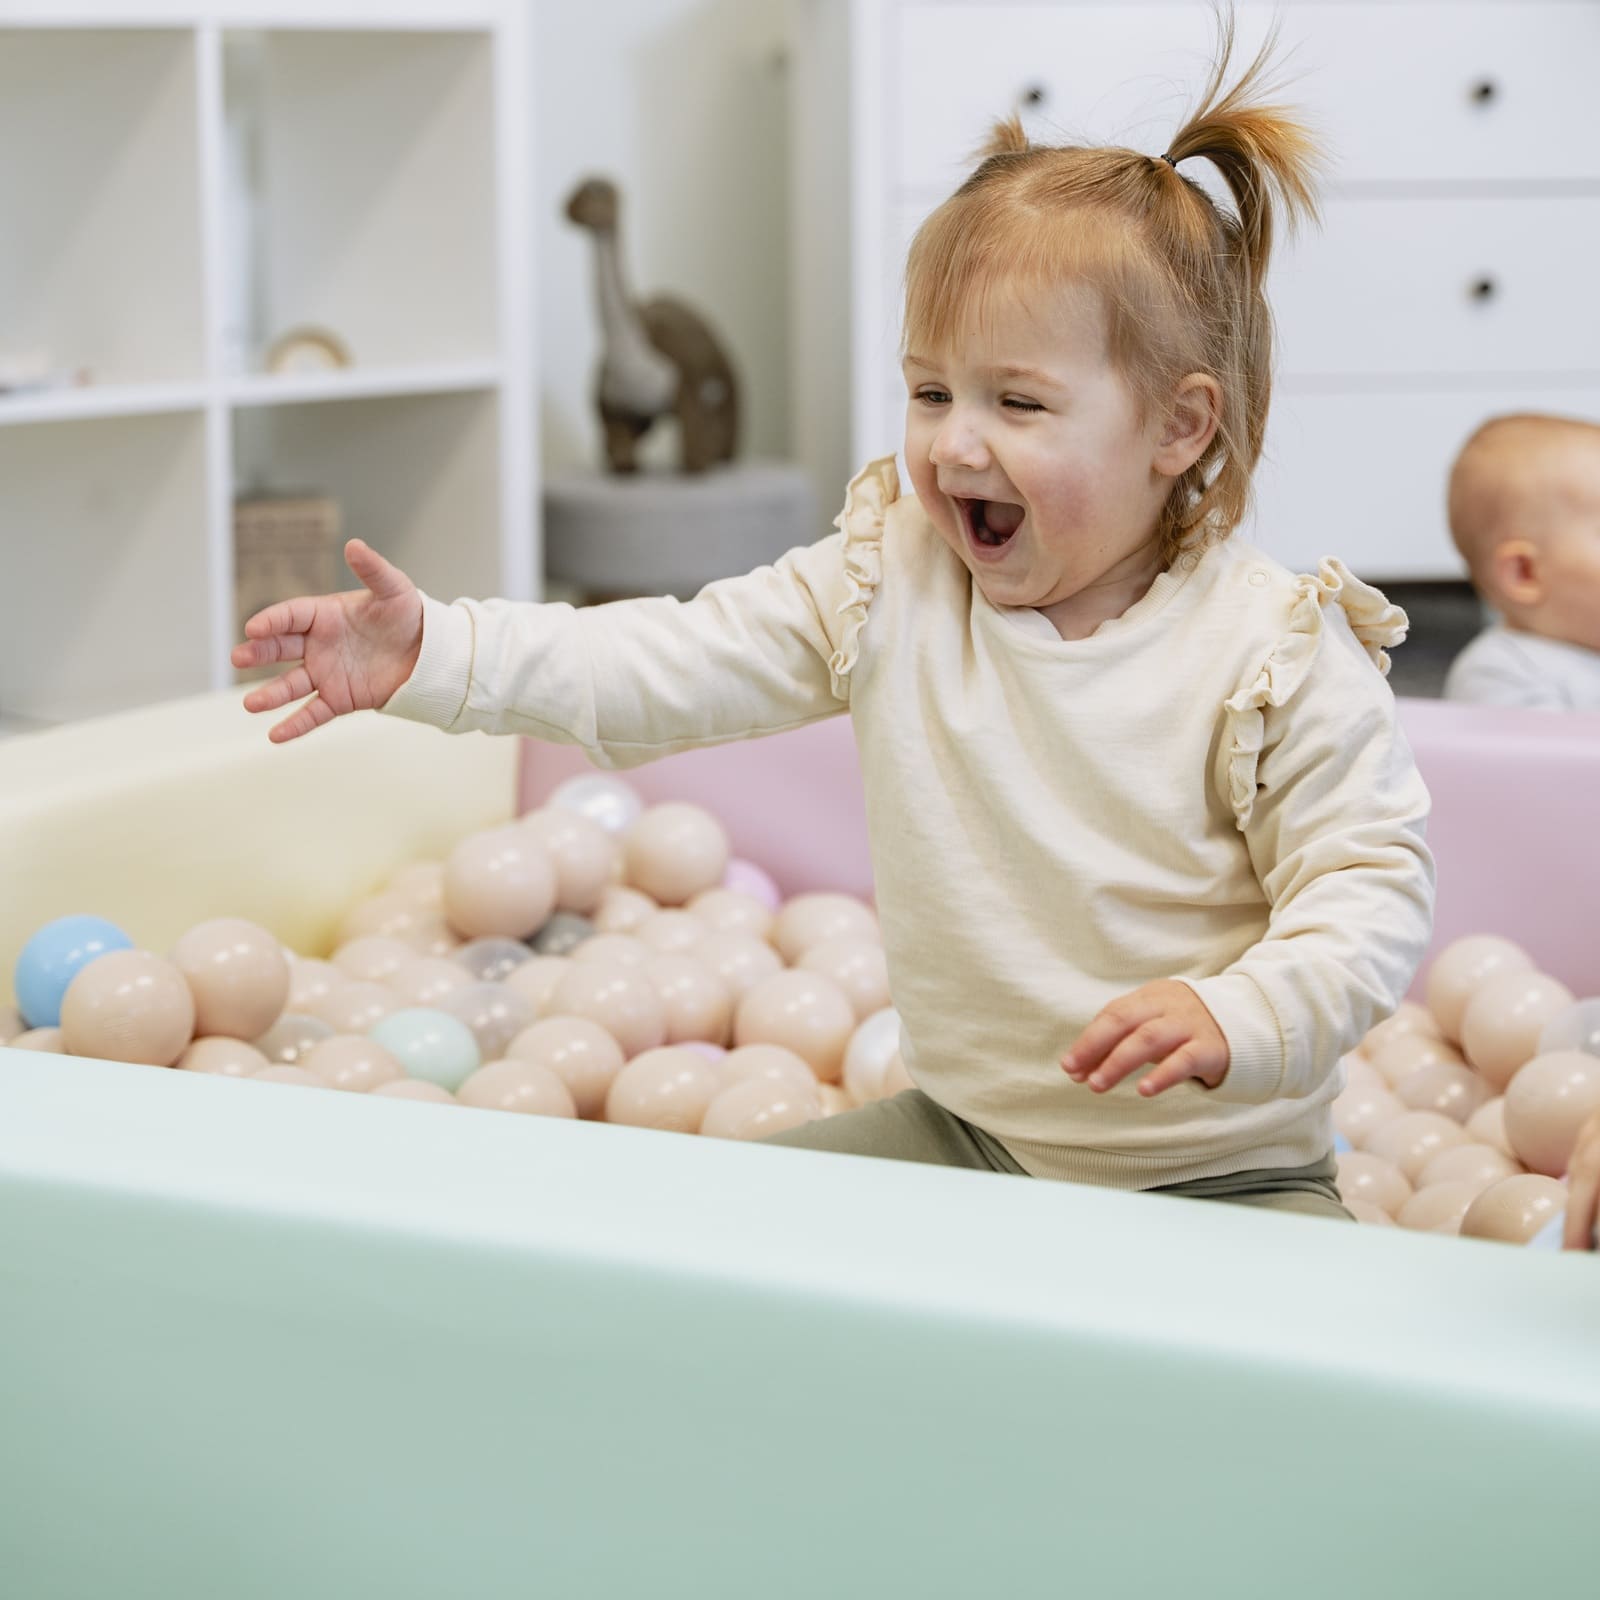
<point>1087,346</point>
<point>1525,515</point>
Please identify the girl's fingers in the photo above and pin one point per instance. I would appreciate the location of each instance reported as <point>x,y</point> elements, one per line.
<point>1184,1063</point>
<point>1103,1034</point>
<point>293,685</point>
<point>381,577</point>
<point>261,652</point>
<point>288,616</point>
<point>1150,1041</point>
<point>313,714</point>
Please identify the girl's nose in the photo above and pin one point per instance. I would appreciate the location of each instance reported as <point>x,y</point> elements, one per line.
<point>958,444</point>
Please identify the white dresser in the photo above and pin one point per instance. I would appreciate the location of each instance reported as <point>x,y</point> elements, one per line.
<point>1454,276</point>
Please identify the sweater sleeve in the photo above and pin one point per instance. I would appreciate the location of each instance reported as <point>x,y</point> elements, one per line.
<point>1333,812</point>
<point>1494,670</point>
<point>638,679</point>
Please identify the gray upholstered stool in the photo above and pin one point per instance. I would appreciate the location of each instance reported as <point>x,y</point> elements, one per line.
<point>665,533</point>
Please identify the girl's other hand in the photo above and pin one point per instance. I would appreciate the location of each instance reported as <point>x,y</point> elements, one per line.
<point>354,649</point>
<point>1163,1023</point>
<point>1583,1188</point>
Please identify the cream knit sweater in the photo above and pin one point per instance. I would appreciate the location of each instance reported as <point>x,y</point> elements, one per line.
<point>1212,787</point>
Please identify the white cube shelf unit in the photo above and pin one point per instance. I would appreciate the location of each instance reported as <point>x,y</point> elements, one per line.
<point>180,186</point>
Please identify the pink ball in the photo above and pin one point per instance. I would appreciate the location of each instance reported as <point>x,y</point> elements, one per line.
<point>748,878</point>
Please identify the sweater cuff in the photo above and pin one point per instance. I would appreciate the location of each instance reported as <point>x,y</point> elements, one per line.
<point>436,691</point>
<point>1255,1042</point>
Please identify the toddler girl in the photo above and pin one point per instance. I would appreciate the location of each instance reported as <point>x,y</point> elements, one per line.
<point>1147,839</point>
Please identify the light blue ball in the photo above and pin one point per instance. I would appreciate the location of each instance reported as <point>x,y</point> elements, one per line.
<point>1549,1236</point>
<point>429,1044</point>
<point>1341,1145</point>
<point>53,957</point>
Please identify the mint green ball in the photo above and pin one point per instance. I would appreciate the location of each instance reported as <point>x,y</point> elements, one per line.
<point>431,1045</point>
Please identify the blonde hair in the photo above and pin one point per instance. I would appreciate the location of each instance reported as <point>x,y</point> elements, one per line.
<point>1181,279</point>
<point>1513,479</point>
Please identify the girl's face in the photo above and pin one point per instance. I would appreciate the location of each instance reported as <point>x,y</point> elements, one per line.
<point>1026,449</point>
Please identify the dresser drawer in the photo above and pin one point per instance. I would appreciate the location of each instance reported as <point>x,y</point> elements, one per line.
<point>1441,286</point>
<point>1411,91</point>
<point>1362,476</point>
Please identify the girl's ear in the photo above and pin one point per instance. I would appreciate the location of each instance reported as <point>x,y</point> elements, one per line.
<point>1515,572</point>
<point>1190,425</point>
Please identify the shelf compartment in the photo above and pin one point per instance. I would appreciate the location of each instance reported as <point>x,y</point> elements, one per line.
<point>391,246</point>
<point>101,266</point>
<point>415,477</point>
<point>102,565</point>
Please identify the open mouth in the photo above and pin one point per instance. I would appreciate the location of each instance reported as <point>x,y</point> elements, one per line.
<point>990,524</point>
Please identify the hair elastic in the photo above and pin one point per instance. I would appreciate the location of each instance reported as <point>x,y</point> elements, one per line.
<point>1169,161</point>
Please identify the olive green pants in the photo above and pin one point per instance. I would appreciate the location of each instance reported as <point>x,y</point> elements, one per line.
<point>911,1127</point>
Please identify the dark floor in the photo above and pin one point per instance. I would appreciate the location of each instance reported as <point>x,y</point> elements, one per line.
<point>1444,616</point>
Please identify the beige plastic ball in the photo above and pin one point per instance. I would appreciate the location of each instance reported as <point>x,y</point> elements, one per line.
<point>614,950</point>
<point>310,980</point>
<point>291,1037</point>
<point>873,1045</point>
<point>357,1007</point>
<point>352,1063</point>
<point>383,916</point>
<point>858,966</point>
<point>740,960</point>
<point>11,1024</point>
<point>1358,1111</point>
<point>1374,1179</point>
<point>1488,1125</point>
<point>1546,1104</point>
<point>421,882</point>
<point>834,1099</point>
<point>622,909</point>
<point>284,1072</point>
<point>757,1107</point>
<point>535,979</point>
<point>1401,1055</point>
<point>1476,1165</point>
<point>1372,1215</point>
<point>500,881</point>
<point>1502,1022</point>
<point>518,1085</point>
<point>373,958</point>
<point>1461,969</point>
<point>675,851</point>
<point>415,1089</point>
<point>581,1053</point>
<point>1359,1073</point>
<point>585,856</point>
<point>803,1011</point>
<point>227,1058</point>
<point>1443,1086</point>
<point>425,980</point>
<point>47,1041</point>
<point>1408,1017</point>
<point>129,1005</point>
<point>768,1061</point>
<point>1412,1138</point>
<point>621,999</point>
<point>699,1005</point>
<point>671,930</point>
<point>1514,1209</point>
<point>810,919</point>
<point>669,1088</point>
<point>238,974</point>
<point>1438,1208</point>
<point>432,936</point>
<point>896,1078</point>
<point>733,911</point>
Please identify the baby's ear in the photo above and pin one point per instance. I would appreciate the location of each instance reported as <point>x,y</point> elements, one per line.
<point>1517,573</point>
<point>1191,422</point>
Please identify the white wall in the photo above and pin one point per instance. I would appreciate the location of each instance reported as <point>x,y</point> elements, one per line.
<point>683,104</point>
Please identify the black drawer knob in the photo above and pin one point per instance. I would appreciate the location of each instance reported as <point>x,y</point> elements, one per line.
<point>1034,95</point>
<point>1484,92</point>
<point>1484,288</point>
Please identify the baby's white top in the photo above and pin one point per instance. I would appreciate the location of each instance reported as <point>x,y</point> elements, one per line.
<point>1507,667</point>
<point>1212,787</point>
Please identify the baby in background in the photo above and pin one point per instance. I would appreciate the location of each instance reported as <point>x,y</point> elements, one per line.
<point>1525,515</point>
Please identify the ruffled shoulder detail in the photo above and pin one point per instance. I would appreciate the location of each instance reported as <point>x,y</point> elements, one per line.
<point>866,503</point>
<point>1379,626</point>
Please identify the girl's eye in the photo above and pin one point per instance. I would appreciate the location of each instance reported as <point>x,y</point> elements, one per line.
<point>932,396</point>
<point>1023,405</point>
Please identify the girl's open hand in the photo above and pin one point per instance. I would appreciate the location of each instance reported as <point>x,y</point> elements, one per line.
<point>1164,1023</point>
<point>354,649</point>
